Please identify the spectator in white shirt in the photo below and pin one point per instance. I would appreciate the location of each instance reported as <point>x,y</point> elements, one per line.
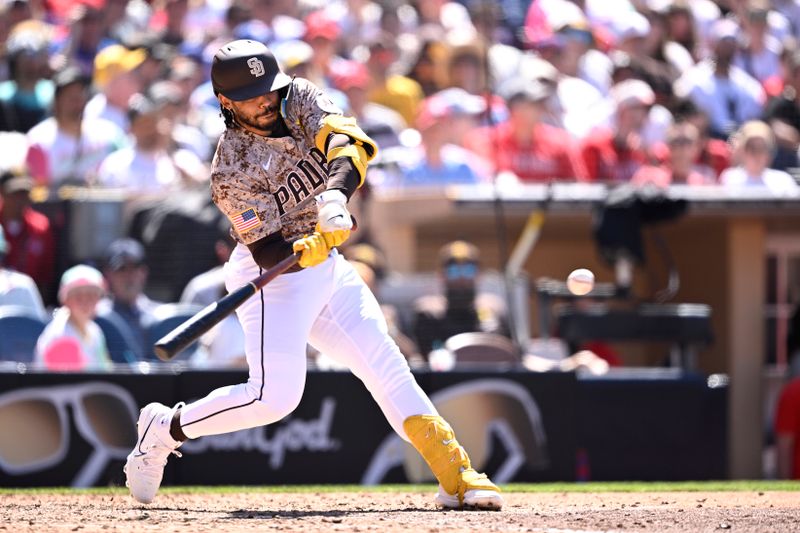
<point>74,145</point>
<point>577,106</point>
<point>576,55</point>
<point>72,340</point>
<point>185,135</point>
<point>147,167</point>
<point>753,148</point>
<point>727,93</point>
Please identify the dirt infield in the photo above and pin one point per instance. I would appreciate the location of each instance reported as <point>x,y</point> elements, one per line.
<point>382,511</point>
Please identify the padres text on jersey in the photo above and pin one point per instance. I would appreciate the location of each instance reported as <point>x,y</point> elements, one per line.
<point>260,183</point>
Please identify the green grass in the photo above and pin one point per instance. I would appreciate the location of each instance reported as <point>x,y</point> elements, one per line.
<point>657,486</point>
<point>632,486</point>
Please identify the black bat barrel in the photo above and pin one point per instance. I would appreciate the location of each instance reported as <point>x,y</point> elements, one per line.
<point>179,338</point>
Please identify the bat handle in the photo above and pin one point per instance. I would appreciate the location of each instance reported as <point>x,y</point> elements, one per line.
<point>282,266</point>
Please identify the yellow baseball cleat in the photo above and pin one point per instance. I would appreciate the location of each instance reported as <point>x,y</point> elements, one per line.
<point>460,486</point>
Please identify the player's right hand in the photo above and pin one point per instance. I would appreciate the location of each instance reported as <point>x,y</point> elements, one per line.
<point>314,249</point>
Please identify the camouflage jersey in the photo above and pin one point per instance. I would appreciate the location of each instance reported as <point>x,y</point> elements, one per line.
<point>258,182</point>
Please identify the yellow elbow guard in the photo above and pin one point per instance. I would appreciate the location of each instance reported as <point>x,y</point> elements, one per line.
<point>361,152</point>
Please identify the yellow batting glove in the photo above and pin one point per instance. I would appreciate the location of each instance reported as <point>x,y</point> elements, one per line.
<point>314,249</point>
<point>333,238</point>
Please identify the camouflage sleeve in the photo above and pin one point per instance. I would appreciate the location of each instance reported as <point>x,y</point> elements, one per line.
<point>312,105</point>
<point>253,213</point>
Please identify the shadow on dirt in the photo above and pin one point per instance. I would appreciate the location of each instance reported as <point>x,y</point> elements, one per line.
<point>243,514</point>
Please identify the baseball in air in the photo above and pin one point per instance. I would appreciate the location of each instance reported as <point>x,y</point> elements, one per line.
<point>580,281</point>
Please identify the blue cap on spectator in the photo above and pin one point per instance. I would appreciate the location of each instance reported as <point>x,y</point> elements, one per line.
<point>193,50</point>
<point>123,252</point>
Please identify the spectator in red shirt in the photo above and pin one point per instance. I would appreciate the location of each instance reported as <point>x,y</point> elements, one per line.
<point>714,153</point>
<point>523,146</point>
<point>680,167</point>
<point>787,431</point>
<point>615,155</point>
<point>27,231</point>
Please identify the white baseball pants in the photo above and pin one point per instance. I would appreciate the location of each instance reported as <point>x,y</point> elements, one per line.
<point>328,306</point>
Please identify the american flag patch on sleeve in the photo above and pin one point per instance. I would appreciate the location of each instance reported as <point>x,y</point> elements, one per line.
<point>245,221</point>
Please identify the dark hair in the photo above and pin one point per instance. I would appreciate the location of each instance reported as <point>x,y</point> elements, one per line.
<point>5,176</point>
<point>164,93</point>
<point>23,42</point>
<point>683,109</point>
<point>227,116</point>
<point>70,75</point>
<point>140,105</point>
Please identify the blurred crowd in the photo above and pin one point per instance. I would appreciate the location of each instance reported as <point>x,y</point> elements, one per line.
<point>115,94</point>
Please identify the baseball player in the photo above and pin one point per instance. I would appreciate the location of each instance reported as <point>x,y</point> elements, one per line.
<point>283,172</point>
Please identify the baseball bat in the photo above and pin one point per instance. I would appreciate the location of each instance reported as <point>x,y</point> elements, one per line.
<point>179,338</point>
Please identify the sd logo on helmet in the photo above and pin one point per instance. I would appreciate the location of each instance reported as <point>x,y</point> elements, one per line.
<point>245,69</point>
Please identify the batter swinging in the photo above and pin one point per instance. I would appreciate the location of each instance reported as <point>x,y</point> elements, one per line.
<point>285,141</point>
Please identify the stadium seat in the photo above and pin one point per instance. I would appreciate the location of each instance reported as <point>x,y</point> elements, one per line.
<point>167,317</point>
<point>479,348</point>
<point>119,337</point>
<point>19,330</point>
